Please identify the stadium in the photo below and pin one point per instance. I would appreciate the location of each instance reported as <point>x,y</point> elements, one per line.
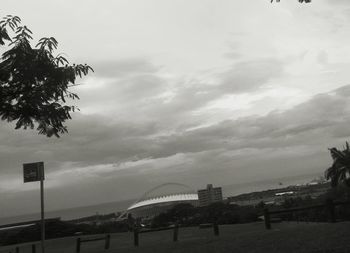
<point>162,198</point>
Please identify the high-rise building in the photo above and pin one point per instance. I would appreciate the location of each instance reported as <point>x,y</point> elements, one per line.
<point>209,195</point>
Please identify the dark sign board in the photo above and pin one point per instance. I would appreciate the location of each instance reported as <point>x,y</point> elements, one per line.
<point>33,172</point>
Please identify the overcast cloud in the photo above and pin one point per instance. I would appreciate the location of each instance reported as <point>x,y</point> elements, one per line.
<point>194,92</point>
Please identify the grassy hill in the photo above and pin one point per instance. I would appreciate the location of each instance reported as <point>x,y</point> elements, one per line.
<point>283,237</point>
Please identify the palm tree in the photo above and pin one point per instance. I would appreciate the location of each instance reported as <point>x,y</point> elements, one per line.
<point>340,170</point>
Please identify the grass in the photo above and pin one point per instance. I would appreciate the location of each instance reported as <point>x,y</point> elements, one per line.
<point>283,237</point>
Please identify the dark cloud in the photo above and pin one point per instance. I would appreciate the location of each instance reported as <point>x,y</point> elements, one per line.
<point>139,132</point>
<point>316,122</point>
<point>95,139</point>
<point>91,140</point>
<point>100,155</point>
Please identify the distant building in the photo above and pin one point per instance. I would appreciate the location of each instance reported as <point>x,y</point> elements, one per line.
<point>209,195</point>
<point>284,193</point>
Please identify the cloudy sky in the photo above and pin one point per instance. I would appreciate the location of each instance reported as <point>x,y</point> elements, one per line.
<point>189,91</point>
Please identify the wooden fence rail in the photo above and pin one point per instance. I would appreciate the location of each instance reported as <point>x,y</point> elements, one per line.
<point>214,225</point>
<point>137,231</point>
<point>329,206</point>
<point>17,249</point>
<point>106,238</point>
<point>175,229</point>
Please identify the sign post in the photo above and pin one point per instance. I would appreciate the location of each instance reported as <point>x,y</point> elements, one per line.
<point>33,172</point>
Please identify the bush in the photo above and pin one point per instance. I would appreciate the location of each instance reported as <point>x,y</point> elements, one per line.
<point>219,212</point>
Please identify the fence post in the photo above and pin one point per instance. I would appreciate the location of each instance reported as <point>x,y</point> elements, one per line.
<point>108,238</point>
<point>330,207</point>
<point>17,249</point>
<point>78,244</point>
<point>267,218</point>
<point>176,232</point>
<point>33,248</point>
<point>216,228</point>
<point>136,236</point>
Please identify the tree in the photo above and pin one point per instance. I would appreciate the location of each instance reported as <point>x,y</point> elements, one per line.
<point>300,1</point>
<point>34,83</point>
<point>340,170</point>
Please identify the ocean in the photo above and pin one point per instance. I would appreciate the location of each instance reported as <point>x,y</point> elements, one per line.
<point>119,206</point>
<point>72,213</point>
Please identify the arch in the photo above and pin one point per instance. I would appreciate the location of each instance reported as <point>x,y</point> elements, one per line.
<point>145,195</point>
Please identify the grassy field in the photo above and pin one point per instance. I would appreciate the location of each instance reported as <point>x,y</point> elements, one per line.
<point>283,237</point>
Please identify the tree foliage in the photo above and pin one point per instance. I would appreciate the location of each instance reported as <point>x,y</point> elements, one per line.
<point>34,83</point>
<point>300,1</point>
<point>223,213</point>
<point>340,169</point>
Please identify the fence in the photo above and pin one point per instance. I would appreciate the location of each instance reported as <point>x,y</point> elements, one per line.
<point>17,250</point>
<point>106,238</point>
<point>215,227</point>
<point>175,229</point>
<point>329,206</point>
<point>137,232</point>
<point>14,250</point>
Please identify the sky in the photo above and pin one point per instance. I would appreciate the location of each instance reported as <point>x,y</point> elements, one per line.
<point>188,91</point>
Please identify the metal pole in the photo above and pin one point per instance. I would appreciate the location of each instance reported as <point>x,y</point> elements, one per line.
<point>136,236</point>
<point>267,218</point>
<point>107,242</point>
<point>176,232</point>
<point>78,245</point>
<point>42,216</point>
<point>330,206</point>
<point>216,228</point>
